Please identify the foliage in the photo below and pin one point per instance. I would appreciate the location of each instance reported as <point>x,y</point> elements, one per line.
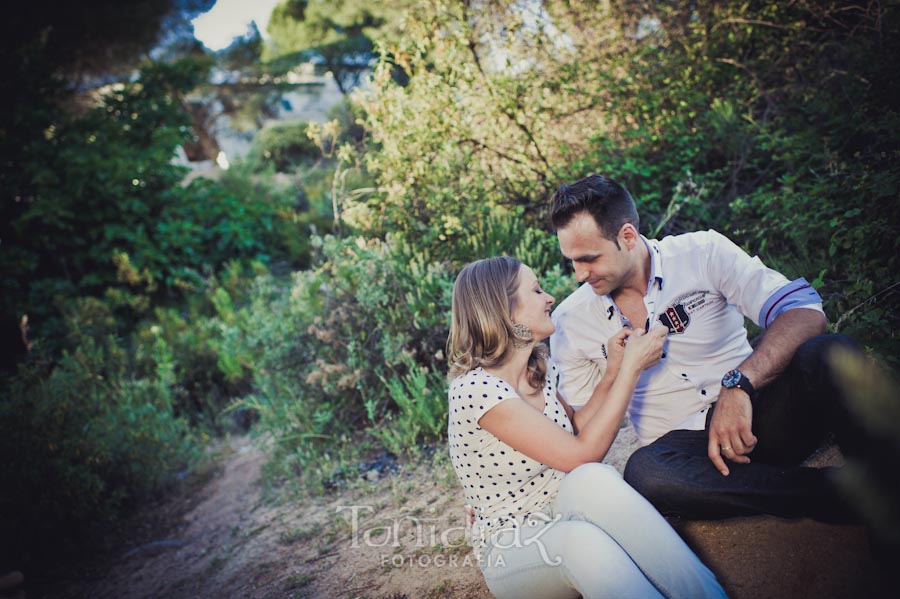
<point>781,147</point>
<point>99,209</point>
<point>421,409</point>
<point>358,340</point>
<point>775,123</point>
<point>84,437</point>
<point>339,328</point>
<point>496,109</point>
<point>112,258</point>
<point>244,52</point>
<point>339,33</point>
<point>84,188</point>
<point>96,37</point>
<point>284,145</point>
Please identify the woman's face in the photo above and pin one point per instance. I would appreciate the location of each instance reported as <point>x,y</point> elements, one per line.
<point>533,305</point>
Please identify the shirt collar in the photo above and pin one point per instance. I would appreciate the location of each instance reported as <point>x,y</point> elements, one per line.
<point>656,272</point>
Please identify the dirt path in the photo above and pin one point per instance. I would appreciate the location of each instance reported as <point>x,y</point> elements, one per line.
<point>402,536</point>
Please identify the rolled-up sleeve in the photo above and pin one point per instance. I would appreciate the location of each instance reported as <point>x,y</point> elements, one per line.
<point>759,292</point>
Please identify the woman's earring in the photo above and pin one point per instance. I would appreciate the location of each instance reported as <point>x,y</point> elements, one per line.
<point>522,336</point>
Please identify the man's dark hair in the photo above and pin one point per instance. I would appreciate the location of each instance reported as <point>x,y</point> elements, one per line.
<point>608,202</point>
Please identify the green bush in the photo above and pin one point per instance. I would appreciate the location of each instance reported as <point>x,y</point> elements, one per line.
<point>96,206</point>
<point>775,123</point>
<point>322,345</point>
<point>293,215</point>
<point>284,146</point>
<point>83,437</point>
<point>359,340</point>
<point>421,409</point>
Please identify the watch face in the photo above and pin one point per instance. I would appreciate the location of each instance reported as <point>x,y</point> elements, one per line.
<point>731,379</point>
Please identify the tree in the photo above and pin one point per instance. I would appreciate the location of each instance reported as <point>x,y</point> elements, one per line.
<point>95,38</point>
<point>340,33</point>
<point>91,202</point>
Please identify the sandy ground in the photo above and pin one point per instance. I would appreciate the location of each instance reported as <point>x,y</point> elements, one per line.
<point>400,536</point>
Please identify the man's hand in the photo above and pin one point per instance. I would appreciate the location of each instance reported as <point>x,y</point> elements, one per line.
<point>730,433</point>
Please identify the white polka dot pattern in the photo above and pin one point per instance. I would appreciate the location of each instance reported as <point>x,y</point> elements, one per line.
<point>502,484</point>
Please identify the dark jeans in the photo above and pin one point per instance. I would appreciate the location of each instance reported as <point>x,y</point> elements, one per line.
<point>792,416</point>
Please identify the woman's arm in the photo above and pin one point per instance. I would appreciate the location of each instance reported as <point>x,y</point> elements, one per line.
<point>615,352</point>
<point>526,429</point>
<point>615,348</point>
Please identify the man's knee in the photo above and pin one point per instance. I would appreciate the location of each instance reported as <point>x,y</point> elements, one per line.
<point>646,473</point>
<point>812,369</point>
<point>818,350</point>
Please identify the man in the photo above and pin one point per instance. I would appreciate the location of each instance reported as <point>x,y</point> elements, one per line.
<point>723,426</point>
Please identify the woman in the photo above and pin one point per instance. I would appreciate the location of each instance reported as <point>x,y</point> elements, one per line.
<point>550,520</point>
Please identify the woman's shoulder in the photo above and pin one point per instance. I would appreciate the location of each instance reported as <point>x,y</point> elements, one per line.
<point>473,377</point>
<point>475,373</point>
<point>478,382</point>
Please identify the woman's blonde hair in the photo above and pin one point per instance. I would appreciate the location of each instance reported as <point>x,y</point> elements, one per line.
<point>482,331</point>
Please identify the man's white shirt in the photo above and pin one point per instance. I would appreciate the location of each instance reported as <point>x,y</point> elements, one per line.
<point>701,287</point>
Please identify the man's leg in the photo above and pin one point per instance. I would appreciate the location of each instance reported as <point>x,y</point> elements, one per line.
<point>674,473</point>
<point>791,417</point>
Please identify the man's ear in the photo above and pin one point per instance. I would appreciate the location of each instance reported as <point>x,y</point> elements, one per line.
<point>628,236</point>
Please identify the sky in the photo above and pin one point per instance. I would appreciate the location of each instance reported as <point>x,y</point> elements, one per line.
<point>228,19</point>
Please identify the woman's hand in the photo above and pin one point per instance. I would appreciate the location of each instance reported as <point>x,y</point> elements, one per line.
<point>644,350</point>
<point>615,351</point>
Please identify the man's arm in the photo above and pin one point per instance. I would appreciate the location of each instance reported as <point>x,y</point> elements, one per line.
<point>579,372</point>
<point>730,432</point>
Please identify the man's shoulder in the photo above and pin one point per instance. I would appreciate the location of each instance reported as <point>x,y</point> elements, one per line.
<point>690,242</point>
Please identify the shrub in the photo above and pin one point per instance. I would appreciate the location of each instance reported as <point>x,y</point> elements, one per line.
<point>775,123</point>
<point>421,409</point>
<point>359,340</point>
<point>83,438</point>
<point>284,146</point>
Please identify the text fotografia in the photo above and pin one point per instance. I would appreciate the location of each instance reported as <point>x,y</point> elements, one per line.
<point>440,561</point>
<point>408,531</point>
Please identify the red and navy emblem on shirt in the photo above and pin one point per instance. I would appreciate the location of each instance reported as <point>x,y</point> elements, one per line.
<point>675,318</point>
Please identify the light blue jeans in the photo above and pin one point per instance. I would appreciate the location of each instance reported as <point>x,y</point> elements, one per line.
<point>602,539</point>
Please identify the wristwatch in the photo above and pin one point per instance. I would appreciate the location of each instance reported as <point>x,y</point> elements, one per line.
<point>736,378</point>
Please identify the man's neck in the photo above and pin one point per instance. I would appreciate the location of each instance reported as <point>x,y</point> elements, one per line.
<point>636,283</point>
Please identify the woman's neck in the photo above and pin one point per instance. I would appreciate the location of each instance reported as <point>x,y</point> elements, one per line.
<point>515,369</point>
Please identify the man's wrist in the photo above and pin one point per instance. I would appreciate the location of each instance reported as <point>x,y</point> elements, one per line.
<point>732,392</point>
<point>735,379</point>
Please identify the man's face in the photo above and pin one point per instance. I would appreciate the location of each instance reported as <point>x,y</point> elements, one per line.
<point>595,258</point>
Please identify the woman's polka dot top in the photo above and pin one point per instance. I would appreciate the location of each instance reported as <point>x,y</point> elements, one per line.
<point>502,484</point>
